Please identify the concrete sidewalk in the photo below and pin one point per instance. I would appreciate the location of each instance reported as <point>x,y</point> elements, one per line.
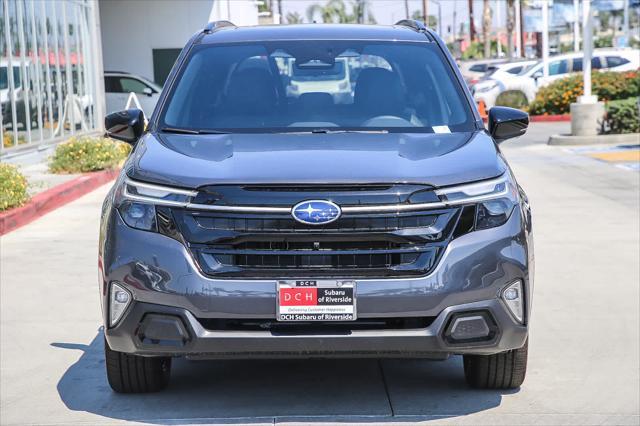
<point>584,348</point>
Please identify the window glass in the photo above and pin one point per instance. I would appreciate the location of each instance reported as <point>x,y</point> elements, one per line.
<point>112,85</point>
<point>478,68</point>
<point>596,63</point>
<point>616,61</point>
<point>515,70</point>
<point>288,85</point>
<point>558,67</point>
<point>132,85</point>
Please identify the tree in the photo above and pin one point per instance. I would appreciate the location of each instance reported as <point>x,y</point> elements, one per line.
<point>486,27</point>
<point>419,16</point>
<point>511,23</point>
<point>294,18</point>
<point>472,27</point>
<point>335,11</point>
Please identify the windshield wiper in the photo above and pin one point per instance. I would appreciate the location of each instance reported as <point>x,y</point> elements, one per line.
<point>192,132</point>
<point>331,131</point>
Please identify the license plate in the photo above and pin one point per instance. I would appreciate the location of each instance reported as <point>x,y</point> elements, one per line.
<point>316,300</point>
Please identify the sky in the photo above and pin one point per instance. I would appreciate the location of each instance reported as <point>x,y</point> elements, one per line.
<point>391,11</point>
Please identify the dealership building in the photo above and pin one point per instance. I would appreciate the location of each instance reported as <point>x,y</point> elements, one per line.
<point>53,55</point>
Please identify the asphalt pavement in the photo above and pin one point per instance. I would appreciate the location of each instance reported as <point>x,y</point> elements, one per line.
<point>584,363</point>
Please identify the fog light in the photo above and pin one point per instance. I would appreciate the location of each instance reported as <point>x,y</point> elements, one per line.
<point>119,300</point>
<point>472,327</point>
<point>513,298</point>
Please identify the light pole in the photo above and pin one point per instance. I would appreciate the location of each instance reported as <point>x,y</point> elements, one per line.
<point>576,25</point>
<point>626,23</point>
<point>518,30</point>
<point>545,39</point>
<point>586,113</point>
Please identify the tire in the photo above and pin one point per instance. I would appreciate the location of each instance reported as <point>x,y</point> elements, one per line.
<point>129,373</point>
<point>505,370</point>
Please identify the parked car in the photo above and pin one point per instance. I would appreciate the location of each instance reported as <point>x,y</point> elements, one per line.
<point>473,71</point>
<point>22,91</point>
<point>530,80</point>
<point>118,85</point>
<point>248,223</point>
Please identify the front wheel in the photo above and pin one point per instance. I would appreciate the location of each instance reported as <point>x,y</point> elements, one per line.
<point>505,370</point>
<point>129,373</point>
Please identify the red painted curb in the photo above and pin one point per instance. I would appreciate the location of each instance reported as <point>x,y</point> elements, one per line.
<point>53,198</point>
<point>550,118</point>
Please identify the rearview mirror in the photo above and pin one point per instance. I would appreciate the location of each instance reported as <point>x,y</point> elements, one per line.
<point>506,123</point>
<point>126,126</point>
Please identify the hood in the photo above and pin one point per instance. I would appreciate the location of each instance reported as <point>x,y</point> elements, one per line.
<point>191,161</point>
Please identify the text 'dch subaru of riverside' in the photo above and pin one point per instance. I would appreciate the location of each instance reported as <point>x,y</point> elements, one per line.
<point>266,212</point>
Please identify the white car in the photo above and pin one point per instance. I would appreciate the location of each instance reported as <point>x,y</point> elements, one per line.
<point>473,71</point>
<point>118,85</point>
<point>527,83</point>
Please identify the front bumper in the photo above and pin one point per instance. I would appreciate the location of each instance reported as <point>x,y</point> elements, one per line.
<point>154,330</point>
<point>163,279</point>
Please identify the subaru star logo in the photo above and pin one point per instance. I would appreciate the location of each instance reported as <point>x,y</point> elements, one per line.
<point>315,212</point>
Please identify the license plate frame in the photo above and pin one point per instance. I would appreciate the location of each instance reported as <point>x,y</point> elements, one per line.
<point>316,300</point>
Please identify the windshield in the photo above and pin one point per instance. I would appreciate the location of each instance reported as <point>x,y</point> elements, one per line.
<point>292,86</point>
<point>4,78</point>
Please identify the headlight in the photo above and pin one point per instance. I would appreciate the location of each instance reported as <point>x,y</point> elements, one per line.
<point>136,202</point>
<point>138,215</point>
<point>494,199</point>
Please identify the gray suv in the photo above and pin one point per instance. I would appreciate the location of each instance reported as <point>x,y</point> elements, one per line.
<point>312,191</point>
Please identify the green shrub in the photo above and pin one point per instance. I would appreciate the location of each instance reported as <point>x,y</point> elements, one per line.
<point>621,117</point>
<point>13,187</point>
<point>513,99</point>
<point>87,154</point>
<point>557,97</point>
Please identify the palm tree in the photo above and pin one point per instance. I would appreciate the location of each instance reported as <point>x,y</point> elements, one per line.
<point>486,27</point>
<point>335,11</point>
<point>511,23</point>
<point>294,18</point>
<point>472,27</point>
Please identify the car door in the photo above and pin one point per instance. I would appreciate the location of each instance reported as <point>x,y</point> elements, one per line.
<point>147,95</point>
<point>115,97</point>
<point>557,69</point>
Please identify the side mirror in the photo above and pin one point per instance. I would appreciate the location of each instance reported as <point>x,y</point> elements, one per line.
<point>506,123</point>
<point>126,125</point>
<point>536,75</point>
<point>147,91</point>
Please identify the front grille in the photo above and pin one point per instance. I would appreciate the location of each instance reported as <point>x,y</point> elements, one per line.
<point>301,327</point>
<point>274,245</point>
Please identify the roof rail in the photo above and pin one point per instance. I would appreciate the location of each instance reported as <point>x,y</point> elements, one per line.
<point>413,24</point>
<point>216,25</point>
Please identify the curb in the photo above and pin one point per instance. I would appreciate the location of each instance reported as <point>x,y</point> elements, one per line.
<point>620,139</point>
<point>549,118</point>
<point>54,198</point>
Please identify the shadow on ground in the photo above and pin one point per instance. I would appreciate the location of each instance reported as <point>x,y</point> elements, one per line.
<point>260,390</point>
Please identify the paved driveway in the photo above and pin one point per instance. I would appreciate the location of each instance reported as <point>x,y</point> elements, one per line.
<point>584,349</point>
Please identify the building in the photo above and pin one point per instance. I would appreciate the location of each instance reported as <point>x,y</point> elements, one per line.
<point>53,55</point>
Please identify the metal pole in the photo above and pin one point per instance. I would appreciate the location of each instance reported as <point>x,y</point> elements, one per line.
<point>70,101</point>
<point>576,25</point>
<point>26,80</point>
<point>626,23</point>
<point>56,41</point>
<point>545,39</point>
<point>98,69</point>
<point>34,36</point>
<point>518,32</point>
<point>499,46</point>
<point>587,44</point>
<point>455,12</point>
<point>49,88</point>
<point>12,85</point>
